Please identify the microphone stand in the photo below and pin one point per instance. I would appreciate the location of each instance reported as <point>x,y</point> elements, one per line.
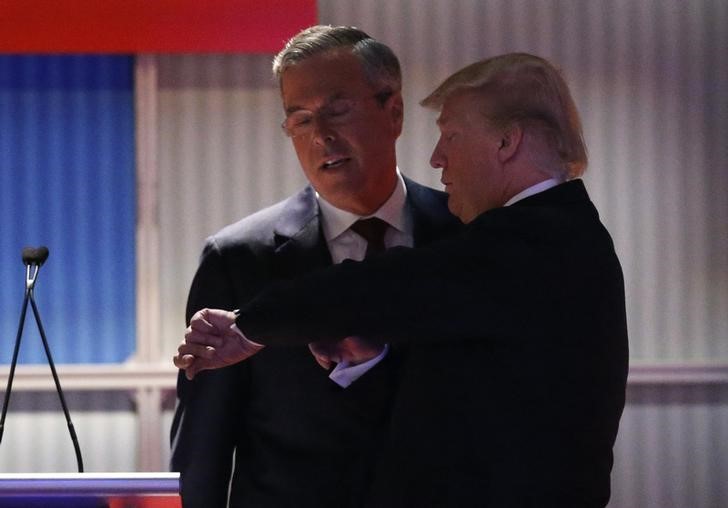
<point>31,275</point>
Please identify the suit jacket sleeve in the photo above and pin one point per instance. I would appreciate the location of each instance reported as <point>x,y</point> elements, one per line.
<point>507,270</point>
<point>202,454</point>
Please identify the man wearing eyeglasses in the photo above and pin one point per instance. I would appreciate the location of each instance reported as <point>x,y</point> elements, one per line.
<point>280,430</point>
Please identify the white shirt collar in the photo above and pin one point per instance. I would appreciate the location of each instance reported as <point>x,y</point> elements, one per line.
<point>336,221</point>
<point>534,189</point>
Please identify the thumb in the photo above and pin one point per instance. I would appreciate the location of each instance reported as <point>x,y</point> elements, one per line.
<point>197,366</point>
<point>220,319</point>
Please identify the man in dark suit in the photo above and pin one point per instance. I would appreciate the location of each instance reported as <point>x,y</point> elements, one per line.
<point>513,389</point>
<point>292,435</point>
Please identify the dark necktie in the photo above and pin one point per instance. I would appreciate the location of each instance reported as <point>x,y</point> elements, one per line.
<point>372,230</point>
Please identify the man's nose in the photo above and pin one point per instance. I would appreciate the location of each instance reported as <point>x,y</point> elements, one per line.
<point>321,130</point>
<point>437,160</point>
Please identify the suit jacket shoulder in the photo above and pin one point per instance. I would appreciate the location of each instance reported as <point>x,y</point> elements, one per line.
<point>240,259</point>
<point>432,219</point>
<point>280,221</point>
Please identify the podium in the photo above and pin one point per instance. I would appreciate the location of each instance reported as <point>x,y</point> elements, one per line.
<point>90,490</point>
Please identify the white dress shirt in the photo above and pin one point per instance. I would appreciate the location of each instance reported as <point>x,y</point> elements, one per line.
<point>343,243</point>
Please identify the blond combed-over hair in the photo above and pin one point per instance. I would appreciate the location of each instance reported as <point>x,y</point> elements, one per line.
<point>525,89</point>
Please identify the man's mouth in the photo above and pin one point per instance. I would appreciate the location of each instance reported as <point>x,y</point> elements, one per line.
<point>334,162</point>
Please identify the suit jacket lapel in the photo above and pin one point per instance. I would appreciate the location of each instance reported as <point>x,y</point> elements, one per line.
<point>299,243</point>
<point>429,213</point>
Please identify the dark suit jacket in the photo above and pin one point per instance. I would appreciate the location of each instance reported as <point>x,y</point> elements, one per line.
<point>299,439</point>
<point>514,385</point>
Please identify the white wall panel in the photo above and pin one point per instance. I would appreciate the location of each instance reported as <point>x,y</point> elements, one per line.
<point>672,451</point>
<point>36,438</point>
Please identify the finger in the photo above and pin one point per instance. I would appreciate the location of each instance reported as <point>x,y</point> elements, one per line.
<point>321,358</point>
<point>325,349</point>
<point>323,361</point>
<point>221,319</point>
<point>192,371</point>
<point>208,339</point>
<point>198,366</point>
<point>357,350</point>
<point>199,323</point>
<point>183,361</point>
<point>197,351</point>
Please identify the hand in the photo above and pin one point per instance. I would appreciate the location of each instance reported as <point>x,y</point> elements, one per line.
<point>353,350</point>
<point>211,343</point>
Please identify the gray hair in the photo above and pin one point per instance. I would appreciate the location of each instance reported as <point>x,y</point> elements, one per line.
<point>380,64</point>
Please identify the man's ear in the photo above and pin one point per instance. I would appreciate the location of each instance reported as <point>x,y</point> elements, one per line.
<point>511,139</point>
<point>397,110</point>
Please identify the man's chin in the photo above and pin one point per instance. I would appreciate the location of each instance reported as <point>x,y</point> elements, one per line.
<point>452,205</point>
<point>457,210</point>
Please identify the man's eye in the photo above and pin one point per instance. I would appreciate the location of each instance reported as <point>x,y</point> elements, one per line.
<point>338,108</point>
<point>300,120</point>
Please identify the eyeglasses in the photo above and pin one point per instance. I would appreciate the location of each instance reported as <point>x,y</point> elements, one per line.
<point>336,113</point>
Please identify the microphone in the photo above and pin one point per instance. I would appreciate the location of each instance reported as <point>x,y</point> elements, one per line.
<point>33,259</point>
<point>35,256</point>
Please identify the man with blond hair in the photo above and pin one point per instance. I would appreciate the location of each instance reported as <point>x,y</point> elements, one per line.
<point>512,392</point>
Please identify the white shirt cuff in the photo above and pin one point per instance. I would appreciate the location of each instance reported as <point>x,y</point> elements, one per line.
<point>345,374</point>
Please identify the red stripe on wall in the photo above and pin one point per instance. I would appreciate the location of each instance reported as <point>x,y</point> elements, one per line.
<point>151,26</point>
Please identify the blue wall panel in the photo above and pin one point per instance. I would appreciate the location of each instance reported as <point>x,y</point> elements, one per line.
<point>67,182</point>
